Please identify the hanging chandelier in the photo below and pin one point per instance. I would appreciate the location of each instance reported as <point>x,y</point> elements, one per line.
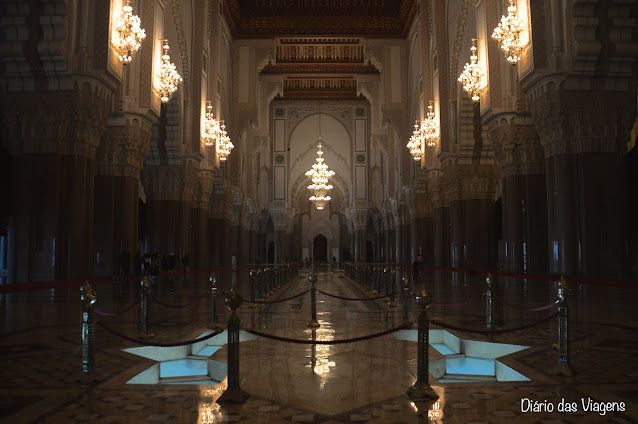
<point>320,175</point>
<point>415,145</point>
<point>508,32</point>
<point>471,78</point>
<point>129,34</point>
<point>169,78</point>
<point>429,127</point>
<point>224,145</point>
<point>211,130</point>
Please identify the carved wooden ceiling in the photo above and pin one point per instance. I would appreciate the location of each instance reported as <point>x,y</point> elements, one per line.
<point>286,18</point>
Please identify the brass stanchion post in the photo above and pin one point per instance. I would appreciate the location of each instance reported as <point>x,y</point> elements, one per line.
<point>145,286</point>
<point>214,321</point>
<point>406,297</point>
<point>421,390</point>
<point>234,393</point>
<point>251,279</point>
<point>88,298</point>
<point>313,301</point>
<point>393,276</point>
<point>564,366</point>
<point>488,302</point>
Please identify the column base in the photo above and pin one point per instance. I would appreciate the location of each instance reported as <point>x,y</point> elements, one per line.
<point>422,392</point>
<point>563,369</point>
<point>233,396</point>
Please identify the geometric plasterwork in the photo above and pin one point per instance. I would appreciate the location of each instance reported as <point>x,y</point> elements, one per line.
<point>517,147</point>
<point>297,112</point>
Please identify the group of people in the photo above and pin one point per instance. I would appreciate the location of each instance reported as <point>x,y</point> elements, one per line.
<point>150,263</point>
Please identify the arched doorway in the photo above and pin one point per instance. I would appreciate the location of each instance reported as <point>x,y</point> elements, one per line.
<point>320,248</point>
<point>271,252</point>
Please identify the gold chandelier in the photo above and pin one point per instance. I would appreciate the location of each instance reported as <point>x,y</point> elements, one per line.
<point>130,34</point>
<point>224,145</point>
<point>508,32</point>
<point>169,78</point>
<point>415,145</point>
<point>320,175</point>
<point>429,127</point>
<point>471,78</point>
<point>211,130</point>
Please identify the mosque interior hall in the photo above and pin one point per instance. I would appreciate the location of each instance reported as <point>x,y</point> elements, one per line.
<point>318,211</point>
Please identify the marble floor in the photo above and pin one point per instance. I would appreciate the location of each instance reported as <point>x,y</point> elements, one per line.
<point>363,381</point>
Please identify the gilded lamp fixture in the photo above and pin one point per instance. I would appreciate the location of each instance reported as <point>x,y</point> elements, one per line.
<point>429,127</point>
<point>508,33</point>
<point>320,175</point>
<point>415,145</point>
<point>211,130</point>
<point>168,78</point>
<point>129,33</point>
<point>471,78</point>
<point>224,145</point>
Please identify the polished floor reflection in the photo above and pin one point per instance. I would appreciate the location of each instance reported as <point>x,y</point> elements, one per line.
<point>334,383</point>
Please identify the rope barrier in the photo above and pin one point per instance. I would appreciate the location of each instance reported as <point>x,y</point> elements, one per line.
<point>275,301</point>
<point>541,308</point>
<point>329,342</point>
<point>508,330</point>
<point>199,299</point>
<point>147,343</point>
<point>115,314</point>
<point>357,298</point>
<point>467,302</point>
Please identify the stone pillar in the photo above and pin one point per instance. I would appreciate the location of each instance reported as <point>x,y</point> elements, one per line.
<point>472,189</point>
<point>119,160</point>
<point>52,138</point>
<point>520,157</point>
<point>359,218</point>
<point>584,136</point>
<point>170,190</point>
<point>281,221</point>
<point>199,258</point>
<point>402,236</point>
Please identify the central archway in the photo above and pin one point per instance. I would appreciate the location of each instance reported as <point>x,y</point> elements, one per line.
<point>320,248</point>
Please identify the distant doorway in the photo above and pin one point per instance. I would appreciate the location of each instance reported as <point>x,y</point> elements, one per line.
<point>369,252</point>
<point>271,252</point>
<point>320,248</point>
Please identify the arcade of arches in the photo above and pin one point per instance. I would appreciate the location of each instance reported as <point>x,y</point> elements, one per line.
<point>536,176</point>
<point>539,176</point>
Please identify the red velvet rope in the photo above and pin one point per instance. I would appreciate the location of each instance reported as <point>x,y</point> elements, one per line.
<point>199,299</point>
<point>467,302</point>
<point>328,342</point>
<point>357,298</point>
<point>278,300</point>
<point>541,308</point>
<point>111,314</point>
<point>508,330</point>
<point>147,343</point>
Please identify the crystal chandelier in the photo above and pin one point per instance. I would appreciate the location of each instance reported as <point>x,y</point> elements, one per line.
<point>211,131</point>
<point>472,75</point>
<point>429,127</point>
<point>320,175</point>
<point>507,33</point>
<point>130,35</point>
<point>169,78</point>
<point>415,145</point>
<point>224,145</point>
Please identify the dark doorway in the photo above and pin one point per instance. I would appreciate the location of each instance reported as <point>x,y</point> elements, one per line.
<point>369,252</point>
<point>320,248</point>
<point>271,252</point>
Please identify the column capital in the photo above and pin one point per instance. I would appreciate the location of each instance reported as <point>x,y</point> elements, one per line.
<point>171,182</point>
<point>471,181</point>
<point>67,122</point>
<point>517,147</point>
<point>123,146</point>
<point>572,120</point>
